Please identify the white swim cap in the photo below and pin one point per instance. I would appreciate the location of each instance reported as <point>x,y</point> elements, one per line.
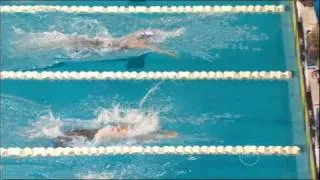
<point>150,33</point>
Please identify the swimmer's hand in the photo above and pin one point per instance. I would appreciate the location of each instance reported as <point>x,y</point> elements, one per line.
<point>170,134</point>
<point>161,51</point>
<point>172,54</point>
<point>140,44</point>
<point>158,135</point>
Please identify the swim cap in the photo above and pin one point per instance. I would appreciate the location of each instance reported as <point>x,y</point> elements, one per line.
<point>149,33</point>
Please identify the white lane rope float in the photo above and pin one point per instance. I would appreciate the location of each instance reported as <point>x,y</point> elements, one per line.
<point>145,75</point>
<point>145,9</point>
<point>174,150</point>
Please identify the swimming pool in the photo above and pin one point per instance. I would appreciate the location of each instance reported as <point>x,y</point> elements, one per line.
<point>214,111</point>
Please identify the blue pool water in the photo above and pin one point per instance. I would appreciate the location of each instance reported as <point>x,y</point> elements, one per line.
<point>202,112</point>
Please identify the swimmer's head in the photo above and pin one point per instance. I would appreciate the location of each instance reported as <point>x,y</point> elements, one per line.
<point>145,35</point>
<point>148,33</point>
<point>107,44</point>
<point>122,128</point>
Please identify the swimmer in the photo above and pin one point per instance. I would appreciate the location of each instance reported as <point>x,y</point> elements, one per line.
<point>144,39</point>
<point>109,133</point>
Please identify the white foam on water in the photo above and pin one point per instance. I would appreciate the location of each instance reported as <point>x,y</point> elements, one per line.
<point>157,36</point>
<point>33,121</point>
<point>200,37</point>
<point>49,126</point>
<point>144,122</point>
<point>75,46</point>
<point>46,126</point>
<point>66,45</point>
<point>94,175</point>
<point>150,92</point>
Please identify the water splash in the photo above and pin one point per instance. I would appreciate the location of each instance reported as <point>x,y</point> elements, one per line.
<point>144,122</point>
<point>48,126</point>
<point>94,175</point>
<point>79,46</point>
<point>34,123</point>
<point>66,46</point>
<point>210,33</point>
<point>150,92</point>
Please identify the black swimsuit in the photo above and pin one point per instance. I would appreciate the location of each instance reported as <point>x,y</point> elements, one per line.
<point>62,141</point>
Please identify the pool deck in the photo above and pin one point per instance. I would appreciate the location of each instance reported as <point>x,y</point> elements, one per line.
<point>314,90</point>
<point>308,19</point>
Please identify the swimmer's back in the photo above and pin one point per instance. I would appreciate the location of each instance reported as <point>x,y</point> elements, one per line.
<point>88,133</point>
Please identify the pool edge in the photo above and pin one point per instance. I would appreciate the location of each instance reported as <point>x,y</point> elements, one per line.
<point>303,91</point>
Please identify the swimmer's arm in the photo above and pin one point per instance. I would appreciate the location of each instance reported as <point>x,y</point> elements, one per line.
<point>61,141</point>
<point>161,51</point>
<point>51,46</point>
<point>147,137</point>
<point>133,43</point>
<point>159,135</point>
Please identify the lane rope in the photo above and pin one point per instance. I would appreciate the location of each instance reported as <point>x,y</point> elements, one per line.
<point>177,150</point>
<point>145,75</point>
<point>145,9</point>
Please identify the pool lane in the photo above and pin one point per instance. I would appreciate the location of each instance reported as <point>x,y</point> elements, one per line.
<point>256,112</point>
<point>209,42</point>
<point>145,166</point>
